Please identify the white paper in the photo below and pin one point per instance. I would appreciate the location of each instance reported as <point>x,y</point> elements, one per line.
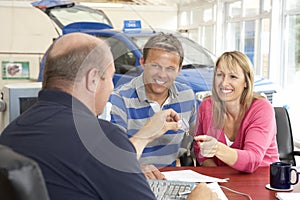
<point>217,189</point>
<point>190,176</point>
<point>287,195</point>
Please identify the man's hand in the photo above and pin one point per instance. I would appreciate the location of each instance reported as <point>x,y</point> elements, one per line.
<point>202,191</point>
<point>158,124</point>
<point>151,172</point>
<point>208,145</point>
<point>155,127</point>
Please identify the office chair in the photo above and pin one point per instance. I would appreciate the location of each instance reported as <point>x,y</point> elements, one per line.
<point>20,177</point>
<point>285,136</point>
<point>186,151</point>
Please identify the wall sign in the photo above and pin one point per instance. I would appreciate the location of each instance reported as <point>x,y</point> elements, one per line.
<point>15,70</point>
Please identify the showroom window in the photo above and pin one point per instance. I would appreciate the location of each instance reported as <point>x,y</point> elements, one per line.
<point>268,31</point>
<point>198,23</point>
<point>292,48</point>
<point>247,29</point>
<point>290,79</point>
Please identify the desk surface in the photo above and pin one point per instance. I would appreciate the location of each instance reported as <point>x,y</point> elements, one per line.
<point>251,184</point>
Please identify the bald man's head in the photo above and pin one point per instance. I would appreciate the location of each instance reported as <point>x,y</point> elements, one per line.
<point>70,57</point>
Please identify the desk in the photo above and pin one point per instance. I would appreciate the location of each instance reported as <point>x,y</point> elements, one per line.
<point>252,184</point>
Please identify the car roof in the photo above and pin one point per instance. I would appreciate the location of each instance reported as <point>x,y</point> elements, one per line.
<point>53,3</point>
<point>95,28</point>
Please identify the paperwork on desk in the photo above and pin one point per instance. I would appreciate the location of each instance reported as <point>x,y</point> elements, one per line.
<point>217,189</point>
<point>287,195</point>
<point>190,176</point>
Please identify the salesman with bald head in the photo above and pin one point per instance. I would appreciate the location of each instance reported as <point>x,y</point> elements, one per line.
<point>83,157</point>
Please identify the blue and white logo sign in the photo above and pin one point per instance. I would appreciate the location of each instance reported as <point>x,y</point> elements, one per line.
<point>132,25</point>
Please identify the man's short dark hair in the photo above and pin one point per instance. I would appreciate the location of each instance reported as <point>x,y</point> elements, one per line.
<point>167,42</point>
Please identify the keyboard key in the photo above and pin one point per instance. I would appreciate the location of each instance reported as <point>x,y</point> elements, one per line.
<point>168,189</point>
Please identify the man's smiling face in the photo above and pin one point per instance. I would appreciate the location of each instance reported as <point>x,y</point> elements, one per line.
<point>160,70</point>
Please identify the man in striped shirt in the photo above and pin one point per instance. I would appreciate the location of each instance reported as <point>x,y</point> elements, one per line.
<point>154,90</point>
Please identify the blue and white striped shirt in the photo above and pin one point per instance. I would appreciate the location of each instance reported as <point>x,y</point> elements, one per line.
<point>131,109</point>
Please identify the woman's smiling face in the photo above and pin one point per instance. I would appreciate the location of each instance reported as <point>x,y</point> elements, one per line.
<point>229,83</point>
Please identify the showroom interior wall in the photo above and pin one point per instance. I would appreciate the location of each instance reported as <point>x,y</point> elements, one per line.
<point>156,17</point>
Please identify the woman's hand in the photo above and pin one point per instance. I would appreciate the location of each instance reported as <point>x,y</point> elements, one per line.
<point>208,145</point>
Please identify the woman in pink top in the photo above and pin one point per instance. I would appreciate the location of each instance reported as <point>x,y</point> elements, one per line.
<point>235,126</point>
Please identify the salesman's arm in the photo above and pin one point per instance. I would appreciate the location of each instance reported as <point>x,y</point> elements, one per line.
<point>156,126</point>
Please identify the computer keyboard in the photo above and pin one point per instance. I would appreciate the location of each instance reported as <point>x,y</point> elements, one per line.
<point>168,189</point>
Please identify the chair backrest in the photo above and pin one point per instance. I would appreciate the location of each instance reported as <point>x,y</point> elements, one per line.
<point>284,136</point>
<point>20,177</point>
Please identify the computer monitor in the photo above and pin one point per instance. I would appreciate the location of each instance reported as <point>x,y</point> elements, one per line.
<point>17,97</point>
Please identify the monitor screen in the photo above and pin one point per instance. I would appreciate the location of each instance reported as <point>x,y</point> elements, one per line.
<point>26,102</point>
<point>18,97</point>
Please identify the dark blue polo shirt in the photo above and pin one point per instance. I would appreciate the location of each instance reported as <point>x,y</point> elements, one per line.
<point>81,157</point>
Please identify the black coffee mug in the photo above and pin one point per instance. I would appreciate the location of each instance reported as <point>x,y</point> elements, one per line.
<point>280,175</point>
